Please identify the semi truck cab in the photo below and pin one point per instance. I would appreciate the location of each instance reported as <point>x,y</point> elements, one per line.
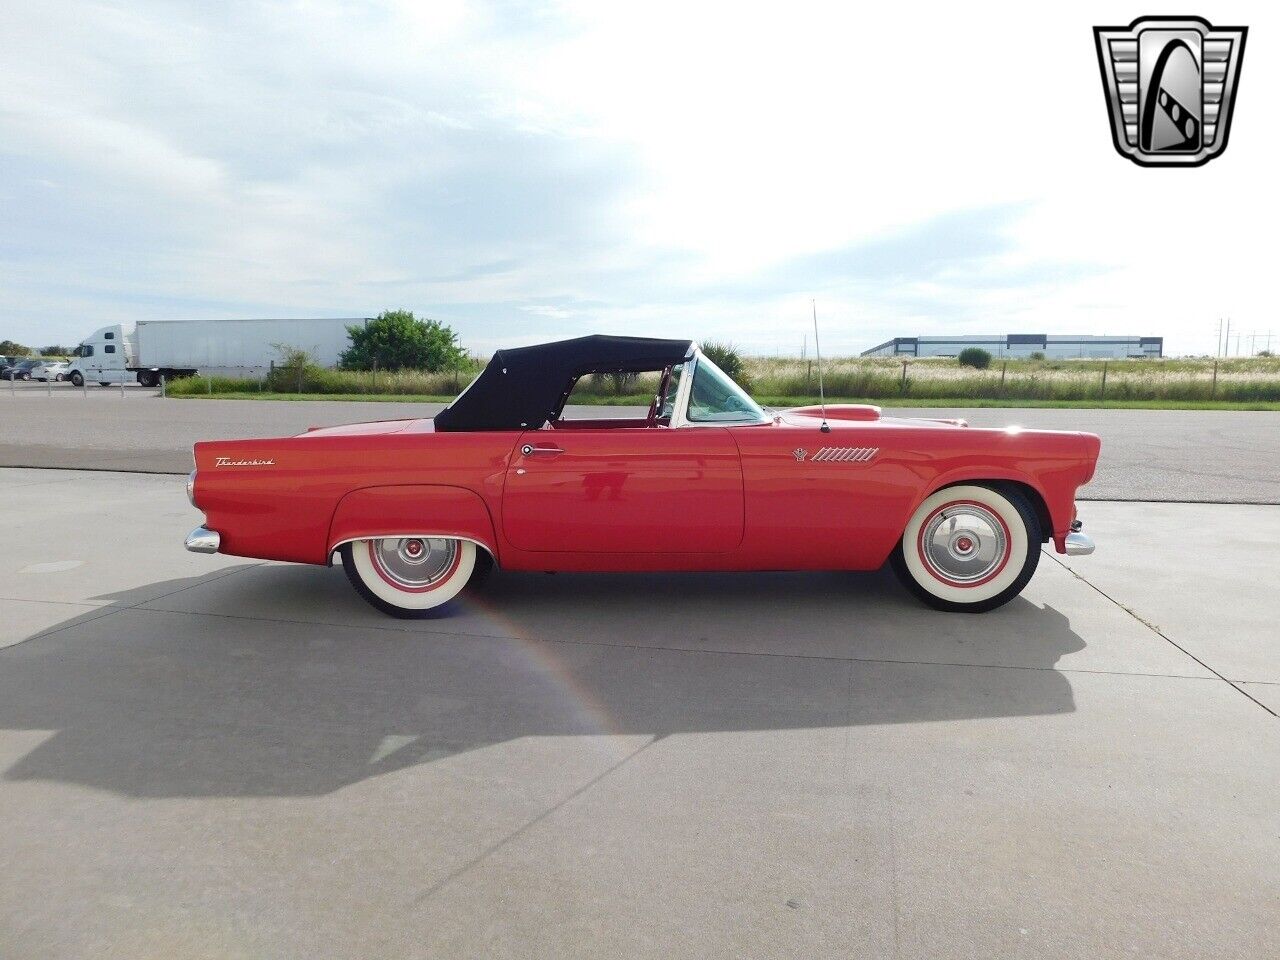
<point>104,356</point>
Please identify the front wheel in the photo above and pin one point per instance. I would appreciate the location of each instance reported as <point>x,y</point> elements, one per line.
<point>411,577</point>
<point>969,548</point>
<point>60,378</point>
<point>77,378</point>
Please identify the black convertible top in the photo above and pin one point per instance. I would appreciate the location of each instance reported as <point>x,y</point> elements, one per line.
<point>524,387</point>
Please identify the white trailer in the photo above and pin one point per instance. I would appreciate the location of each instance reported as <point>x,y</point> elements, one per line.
<point>181,348</point>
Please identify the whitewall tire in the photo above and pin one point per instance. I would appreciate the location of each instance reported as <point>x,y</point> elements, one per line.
<point>412,576</point>
<point>969,548</point>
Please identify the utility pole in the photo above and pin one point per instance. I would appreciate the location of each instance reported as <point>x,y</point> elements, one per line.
<point>1228,340</point>
<point>1219,353</point>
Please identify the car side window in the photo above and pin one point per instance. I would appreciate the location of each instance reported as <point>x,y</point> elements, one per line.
<point>667,407</point>
<point>109,348</point>
<point>86,350</point>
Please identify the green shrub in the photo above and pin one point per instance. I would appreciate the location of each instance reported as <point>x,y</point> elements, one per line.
<point>726,356</point>
<point>396,340</point>
<point>974,357</point>
<point>1037,355</point>
<point>616,383</point>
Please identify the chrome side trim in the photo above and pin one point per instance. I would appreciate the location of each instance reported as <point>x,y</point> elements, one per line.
<point>203,540</point>
<point>419,535</point>
<point>1079,545</point>
<point>845,454</point>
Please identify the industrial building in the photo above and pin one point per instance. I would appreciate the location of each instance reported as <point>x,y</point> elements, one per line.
<point>1023,345</point>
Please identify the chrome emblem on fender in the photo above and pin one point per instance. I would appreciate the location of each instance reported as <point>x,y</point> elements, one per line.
<point>845,454</point>
<point>799,453</point>
<point>1170,84</point>
<point>229,462</point>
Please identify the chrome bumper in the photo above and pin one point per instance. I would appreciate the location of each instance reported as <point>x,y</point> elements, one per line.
<point>1078,544</point>
<point>201,540</point>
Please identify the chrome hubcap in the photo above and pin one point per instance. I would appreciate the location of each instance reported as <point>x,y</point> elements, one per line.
<point>964,543</point>
<point>415,562</point>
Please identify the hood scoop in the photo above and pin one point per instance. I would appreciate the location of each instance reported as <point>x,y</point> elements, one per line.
<point>839,411</point>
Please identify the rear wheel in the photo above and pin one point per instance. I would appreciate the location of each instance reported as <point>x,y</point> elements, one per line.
<point>61,378</point>
<point>413,577</point>
<point>969,548</point>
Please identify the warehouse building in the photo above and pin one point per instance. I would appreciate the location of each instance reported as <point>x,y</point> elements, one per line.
<point>1023,345</point>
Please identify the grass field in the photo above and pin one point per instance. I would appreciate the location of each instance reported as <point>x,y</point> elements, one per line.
<point>1238,383</point>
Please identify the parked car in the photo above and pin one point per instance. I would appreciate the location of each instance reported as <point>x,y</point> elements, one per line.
<point>706,480</point>
<point>55,370</point>
<point>6,364</point>
<point>22,369</point>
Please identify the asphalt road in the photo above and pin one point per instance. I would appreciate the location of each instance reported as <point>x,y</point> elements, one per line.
<point>212,757</point>
<point>1150,455</point>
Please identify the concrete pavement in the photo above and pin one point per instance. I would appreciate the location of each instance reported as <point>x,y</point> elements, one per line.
<point>1153,455</point>
<point>208,756</point>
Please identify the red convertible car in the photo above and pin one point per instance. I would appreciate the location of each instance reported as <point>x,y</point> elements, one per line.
<point>707,480</point>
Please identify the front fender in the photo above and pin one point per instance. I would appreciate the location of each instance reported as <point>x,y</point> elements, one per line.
<point>1055,485</point>
<point>417,509</point>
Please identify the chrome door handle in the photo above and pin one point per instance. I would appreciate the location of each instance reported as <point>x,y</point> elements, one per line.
<point>530,450</point>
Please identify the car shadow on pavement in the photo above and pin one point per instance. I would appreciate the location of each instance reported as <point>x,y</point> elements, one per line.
<point>210,702</point>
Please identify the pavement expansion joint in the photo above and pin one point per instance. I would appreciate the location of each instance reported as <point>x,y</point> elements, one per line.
<point>1163,636</point>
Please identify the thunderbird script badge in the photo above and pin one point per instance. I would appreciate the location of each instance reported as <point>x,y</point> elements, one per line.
<point>1170,84</point>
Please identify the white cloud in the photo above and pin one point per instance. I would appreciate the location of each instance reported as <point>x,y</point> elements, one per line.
<point>529,171</point>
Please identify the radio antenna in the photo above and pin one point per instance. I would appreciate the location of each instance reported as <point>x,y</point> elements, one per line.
<point>817,349</point>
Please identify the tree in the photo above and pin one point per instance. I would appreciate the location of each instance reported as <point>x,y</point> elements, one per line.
<point>396,339</point>
<point>55,350</point>
<point>11,348</point>
<point>974,357</point>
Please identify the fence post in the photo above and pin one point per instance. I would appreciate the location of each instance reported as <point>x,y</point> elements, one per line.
<point>1213,390</point>
<point>163,388</point>
<point>48,386</point>
<point>208,382</point>
<point>1003,367</point>
<point>84,384</point>
<point>1104,380</point>
<point>375,376</point>
<point>902,387</point>
<point>122,386</point>
<point>299,376</point>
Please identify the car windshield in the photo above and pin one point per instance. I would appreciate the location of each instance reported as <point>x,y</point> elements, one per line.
<point>715,398</point>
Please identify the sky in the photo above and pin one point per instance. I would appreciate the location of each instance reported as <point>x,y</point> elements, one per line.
<point>533,171</point>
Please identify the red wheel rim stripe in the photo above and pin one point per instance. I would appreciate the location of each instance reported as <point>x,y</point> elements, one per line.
<point>937,575</point>
<point>444,577</point>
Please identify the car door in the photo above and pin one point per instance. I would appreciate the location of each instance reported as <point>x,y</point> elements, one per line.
<point>624,490</point>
